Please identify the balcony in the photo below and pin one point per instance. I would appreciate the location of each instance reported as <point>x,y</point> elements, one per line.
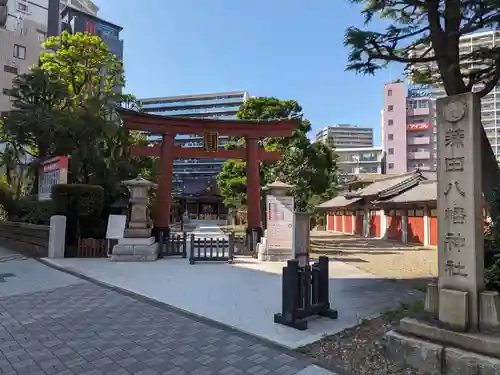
<point>418,111</point>
<point>421,155</point>
<point>419,141</point>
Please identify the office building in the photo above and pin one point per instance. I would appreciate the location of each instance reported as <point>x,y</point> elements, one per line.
<point>354,161</point>
<point>56,7</point>
<point>192,176</point>
<point>75,21</point>
<point>408,119</point>
<point>408,128</point>
<point>490,104</point>
<point>346,136</point>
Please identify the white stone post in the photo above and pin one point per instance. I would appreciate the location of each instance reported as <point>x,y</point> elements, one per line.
<point>57,236</point>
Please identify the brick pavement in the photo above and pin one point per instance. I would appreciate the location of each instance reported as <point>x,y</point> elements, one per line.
<point>88,329</point>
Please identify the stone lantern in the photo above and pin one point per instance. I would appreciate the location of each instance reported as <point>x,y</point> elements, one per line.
<point>278,188</point>
<point>137,244</point>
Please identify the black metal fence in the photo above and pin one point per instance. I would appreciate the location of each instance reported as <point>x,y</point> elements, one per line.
<point>172,243</point>
<point>211,249</point>
<point>305,292</point>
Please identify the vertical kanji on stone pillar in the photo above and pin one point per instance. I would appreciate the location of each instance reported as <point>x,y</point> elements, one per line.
<point>253,183</point>
<point>164,192</point>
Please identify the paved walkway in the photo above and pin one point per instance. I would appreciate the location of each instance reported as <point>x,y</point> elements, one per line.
<point>52,323</point>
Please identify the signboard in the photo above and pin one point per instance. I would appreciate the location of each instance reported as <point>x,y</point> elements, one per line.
<point>211,142</point>
<point>419,126</point>
<point>419,91</point>
<point>52,172</point>
<point>116,226</point>
<point>279,222</point>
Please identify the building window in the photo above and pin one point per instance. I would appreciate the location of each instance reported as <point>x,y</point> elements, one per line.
<point>390,137</point>
<point>390,122</point>
<point>391,151</point>
<point>391,165</point>
<point>390,108</point>
<point>23,8</point>
<point>19,52</point>
<point>389,92</point>
<point>10,69</point>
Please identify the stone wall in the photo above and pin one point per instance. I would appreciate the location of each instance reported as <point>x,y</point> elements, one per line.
<point>28,239</point>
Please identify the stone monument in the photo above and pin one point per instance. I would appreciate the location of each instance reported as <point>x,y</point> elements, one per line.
<point>277,244</point>
<point>137,244</point>
<point>457,336</point>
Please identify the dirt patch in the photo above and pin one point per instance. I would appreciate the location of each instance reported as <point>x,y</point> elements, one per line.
<point>360,350</point>
<point>378,257</point>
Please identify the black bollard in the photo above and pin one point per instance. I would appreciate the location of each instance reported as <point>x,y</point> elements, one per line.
<point>305,292</point>
<point>290,294</point>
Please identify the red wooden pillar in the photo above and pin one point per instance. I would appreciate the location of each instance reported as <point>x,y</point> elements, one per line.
<point>253,183</point>
<point>164,190</point>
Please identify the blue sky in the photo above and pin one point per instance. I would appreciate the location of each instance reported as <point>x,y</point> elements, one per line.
<point>291,49</point>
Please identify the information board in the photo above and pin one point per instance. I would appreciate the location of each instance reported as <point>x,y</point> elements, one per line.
<point>116,226</point>
<point>279,221</point>
<point>52,172</point>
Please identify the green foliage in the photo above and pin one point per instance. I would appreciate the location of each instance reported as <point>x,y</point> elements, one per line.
<point>66,106</point>
<point>232,183</point>
<point>310,167</point>
<point>424,35</point>
<point>89,199</point>
<point>30,210</point>
<point>84,63</point>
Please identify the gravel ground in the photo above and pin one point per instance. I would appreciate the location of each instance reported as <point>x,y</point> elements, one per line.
<point>381,258</point>
<point>360,350</point>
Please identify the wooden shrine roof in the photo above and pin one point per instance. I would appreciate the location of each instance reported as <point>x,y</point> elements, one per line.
<point>158,124</point>
<point>425,191</point>
<point>381,190</point>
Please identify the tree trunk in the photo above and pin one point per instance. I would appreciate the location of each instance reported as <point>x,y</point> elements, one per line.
<point>491,172</point>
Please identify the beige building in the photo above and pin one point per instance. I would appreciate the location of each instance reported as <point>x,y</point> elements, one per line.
<point>19,51</point>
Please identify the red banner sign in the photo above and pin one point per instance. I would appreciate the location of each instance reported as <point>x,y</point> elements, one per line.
<point>419,126</point>
<point>52,171</point>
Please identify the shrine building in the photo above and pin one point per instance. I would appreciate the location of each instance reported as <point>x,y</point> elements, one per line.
<point>400,208</point>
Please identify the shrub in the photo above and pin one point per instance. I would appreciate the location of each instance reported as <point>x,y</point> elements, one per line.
<point>82,205</point>
<point>88,200</point>
<point>6,196</point>
<point>29,210</point>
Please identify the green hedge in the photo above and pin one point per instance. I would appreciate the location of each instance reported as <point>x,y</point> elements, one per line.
<point>82,205</point>
<point>88,200</point>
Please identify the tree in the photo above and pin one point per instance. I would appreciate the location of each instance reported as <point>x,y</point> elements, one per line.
<point>424,35</point>
<point>86,66</point>
<point>310,167</point>
<point>67,107</point>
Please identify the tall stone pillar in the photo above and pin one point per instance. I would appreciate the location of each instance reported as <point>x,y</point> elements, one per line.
<point>253,183</point>
<point>164,192</point>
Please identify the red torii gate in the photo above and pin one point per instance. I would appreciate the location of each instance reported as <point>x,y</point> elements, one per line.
<point>170,126</point>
